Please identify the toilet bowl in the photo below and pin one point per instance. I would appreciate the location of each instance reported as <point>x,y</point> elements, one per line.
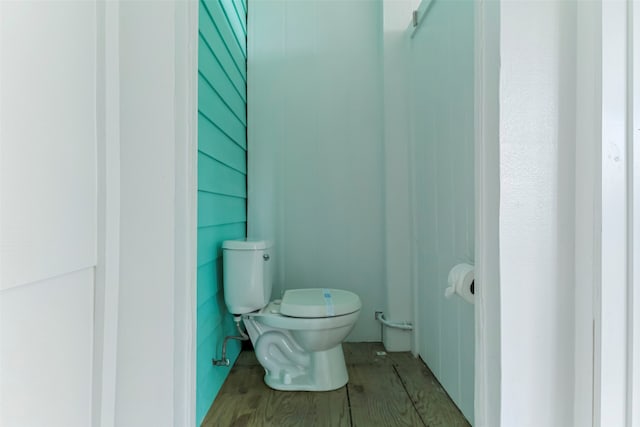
<point>298,340</point>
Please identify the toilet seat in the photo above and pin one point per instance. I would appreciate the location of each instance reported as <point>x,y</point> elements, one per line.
<point>272,316</point>
<point>319,303</point>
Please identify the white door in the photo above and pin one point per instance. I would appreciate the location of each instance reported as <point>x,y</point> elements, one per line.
<point>47,211</point>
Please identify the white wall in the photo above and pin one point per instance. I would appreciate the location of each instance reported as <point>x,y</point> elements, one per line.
<point>442,83</point>
<point>97,213</point>
<point>45,355</point>
<point>565,173</point>
<point>316,146</point>
<point>48,156</point>
<point>145,356</point>
<point>47,212</point>
<point>155,371</point>
<point>537,187</point>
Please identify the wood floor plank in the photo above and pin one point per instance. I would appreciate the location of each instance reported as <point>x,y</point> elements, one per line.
<point>377,398</point>
<point>431,400</point>
<point>247,358</point>
<point>315,409</point>
<point>364,353</point>
<point>386,390</point>
<point>241,394</point>
<point>244,400</point>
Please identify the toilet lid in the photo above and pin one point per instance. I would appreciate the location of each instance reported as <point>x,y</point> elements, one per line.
<point>319,302</point>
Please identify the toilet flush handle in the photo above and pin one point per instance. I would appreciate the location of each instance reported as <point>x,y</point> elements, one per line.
<point>266,257</point>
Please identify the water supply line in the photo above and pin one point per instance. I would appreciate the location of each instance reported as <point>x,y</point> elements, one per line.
<point>223,361</point>
<point>404,325</point>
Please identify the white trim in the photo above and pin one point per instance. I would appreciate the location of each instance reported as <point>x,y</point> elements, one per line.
<point>611,295</point>
<point>413,220</point>
<point>487,181</point>
<point>633,356</point>
<point>413,244</point>
<point>586,202</point>
<point>186,128</point>
<point>108,266</point>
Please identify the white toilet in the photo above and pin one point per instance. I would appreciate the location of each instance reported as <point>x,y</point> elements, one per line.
<point>298,340</point>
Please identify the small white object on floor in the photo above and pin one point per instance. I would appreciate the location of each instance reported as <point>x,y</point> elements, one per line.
<point>381,353</point>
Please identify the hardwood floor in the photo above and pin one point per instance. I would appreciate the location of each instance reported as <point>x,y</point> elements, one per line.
<point>394,389</point>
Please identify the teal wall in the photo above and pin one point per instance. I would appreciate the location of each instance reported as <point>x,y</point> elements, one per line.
<point>222,178</point>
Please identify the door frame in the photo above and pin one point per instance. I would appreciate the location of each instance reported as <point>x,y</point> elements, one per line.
<point>634,282</point>
<point>487,308</point>
<point>607,201</point>
<point>186,212</point>
<point>107,272</point>
<point>106,325</point>
<point>617,288</point>
<point>487,209</point>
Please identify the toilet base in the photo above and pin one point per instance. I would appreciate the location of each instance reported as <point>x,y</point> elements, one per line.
<point>326,371</point>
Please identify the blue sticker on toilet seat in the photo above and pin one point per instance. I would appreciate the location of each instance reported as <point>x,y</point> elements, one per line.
<point>328,302</point>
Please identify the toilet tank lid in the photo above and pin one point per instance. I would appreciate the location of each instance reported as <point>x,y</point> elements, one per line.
<point>246,244</point>
<point>319,302</point>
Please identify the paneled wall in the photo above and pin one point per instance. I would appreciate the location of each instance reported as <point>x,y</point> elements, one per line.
<point>315,130</point>
<point>442,76</point>
<point>222,175</point>
<point>48,212</point>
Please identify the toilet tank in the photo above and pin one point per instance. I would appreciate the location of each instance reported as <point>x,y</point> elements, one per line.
<point>247,274</point>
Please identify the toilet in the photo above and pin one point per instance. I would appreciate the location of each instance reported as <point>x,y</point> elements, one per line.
<point>298,339</point>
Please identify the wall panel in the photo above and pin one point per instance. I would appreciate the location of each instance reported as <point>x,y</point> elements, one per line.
<point>222,179</point>
<point>442,75</point>
<point>48,211</point>
<point>316,168</point>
